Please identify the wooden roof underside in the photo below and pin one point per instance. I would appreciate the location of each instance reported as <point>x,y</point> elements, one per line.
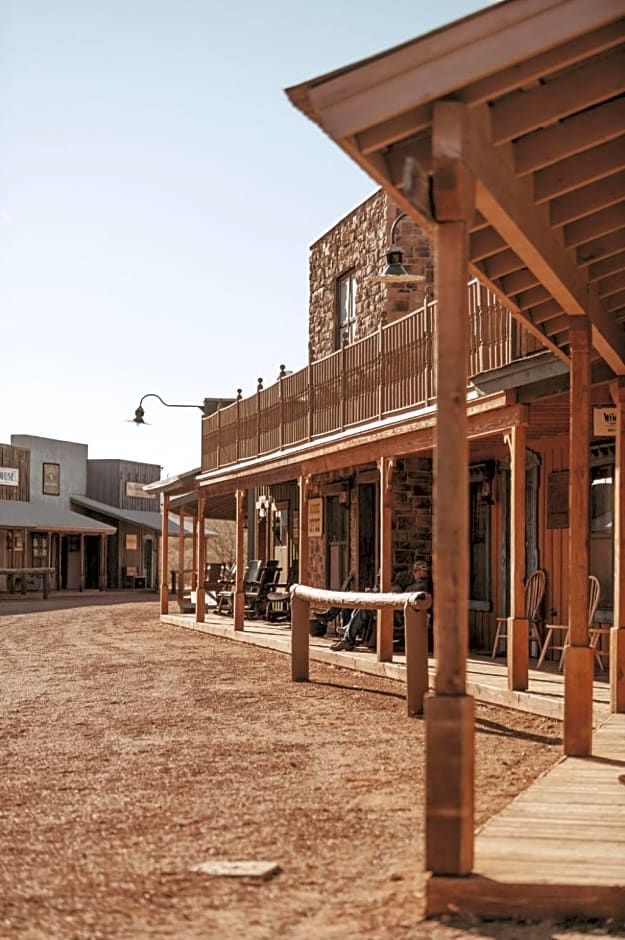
<point>544,83</point>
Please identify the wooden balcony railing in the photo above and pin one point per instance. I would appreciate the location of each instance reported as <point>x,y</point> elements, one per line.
<point>387,372</point>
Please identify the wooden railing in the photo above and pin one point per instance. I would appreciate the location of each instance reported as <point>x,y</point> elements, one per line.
<point>386,373</point>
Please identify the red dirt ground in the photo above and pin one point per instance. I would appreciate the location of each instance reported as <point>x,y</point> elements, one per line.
<point>134,750</point>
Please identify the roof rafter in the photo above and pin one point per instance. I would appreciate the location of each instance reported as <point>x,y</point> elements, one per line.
<point>506,201</point>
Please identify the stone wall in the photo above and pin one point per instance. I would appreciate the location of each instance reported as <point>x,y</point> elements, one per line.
<point>358,244</point>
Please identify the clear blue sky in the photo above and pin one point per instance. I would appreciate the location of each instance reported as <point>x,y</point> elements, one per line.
<point>158,194</point>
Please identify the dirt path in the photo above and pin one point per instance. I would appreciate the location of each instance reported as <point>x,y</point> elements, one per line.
<point>134,750</point>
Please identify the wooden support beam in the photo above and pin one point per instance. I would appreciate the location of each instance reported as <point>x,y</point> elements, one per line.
<point>518,625</point>
<point>592,226</point>
<point>579,658</point>
<point>181,540</point>
<point>194,549</point>
<point>507,202</point>
<point>238,603</point>
<point>82,561</point>
<point>103,547</point>
<point>580,170</point>
<point>587,200</point>
<point>164,593</point>
<point>617,633</point>
<point>200,591</point>
<point>449,711</point>
<point>384,643</point>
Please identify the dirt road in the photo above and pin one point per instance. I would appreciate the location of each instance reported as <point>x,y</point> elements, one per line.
<point>131,751</point>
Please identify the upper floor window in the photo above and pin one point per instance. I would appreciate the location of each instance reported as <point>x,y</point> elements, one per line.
<point>346,309</point>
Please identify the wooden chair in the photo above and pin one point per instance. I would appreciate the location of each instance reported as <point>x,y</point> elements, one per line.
<point>256,591</point>
<point>279,598</point>
<point>534,593</point>
<point>214,580</point>
<point>225,594</point>
<point>553,629</point>
<point>595,635</point>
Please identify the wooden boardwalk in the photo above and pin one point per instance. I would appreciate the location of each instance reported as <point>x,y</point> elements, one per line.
<point>559,848</point>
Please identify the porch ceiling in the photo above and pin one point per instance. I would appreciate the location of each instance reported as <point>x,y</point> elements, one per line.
<point>544,83</point>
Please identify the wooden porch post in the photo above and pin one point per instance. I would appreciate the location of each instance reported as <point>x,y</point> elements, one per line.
<point>164,554</point>
<point>81,586</point>
<point>304,544</point>
<point>449,711</point>
<point>578,657</point>
<point>239,593</point>
<point>103,541</point>
<point>200,592</point>
<point>180,581</point>
<point>194,548</point>
<point>385,616</point>
<point>518,625</point>
<point>617,633</point>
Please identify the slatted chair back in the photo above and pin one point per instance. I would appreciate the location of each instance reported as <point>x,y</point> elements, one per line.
<point>594,590</point>
<point>553,630</point>
<point>534,593</point>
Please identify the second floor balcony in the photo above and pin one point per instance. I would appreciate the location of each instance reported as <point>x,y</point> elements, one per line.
<point>384,374</point>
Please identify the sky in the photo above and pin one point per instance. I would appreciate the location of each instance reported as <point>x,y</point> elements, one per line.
<point>158,196</point>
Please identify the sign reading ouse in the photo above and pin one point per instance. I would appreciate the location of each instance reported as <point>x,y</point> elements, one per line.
<point>136,490</point>
<point>9,476</point>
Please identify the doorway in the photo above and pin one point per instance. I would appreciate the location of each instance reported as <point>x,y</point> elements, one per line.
<point>368,552</point>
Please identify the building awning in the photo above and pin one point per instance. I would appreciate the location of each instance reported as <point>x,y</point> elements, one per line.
<point>44,518</point>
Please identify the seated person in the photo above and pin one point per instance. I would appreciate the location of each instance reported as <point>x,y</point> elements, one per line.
<point>357,624</point>
<point>422,581</point>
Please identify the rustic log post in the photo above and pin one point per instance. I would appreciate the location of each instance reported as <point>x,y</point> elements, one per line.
<point>200,591</point>
<point>518,624</point>
<point>578,656</point>
<point>384,642</point>
<point>238,604</point>
<point>300,632</point>
<point>449,711</point>
<point>416,644</point>
<point>617,633</point>
<point>164,598</point>
<point>180,581</point>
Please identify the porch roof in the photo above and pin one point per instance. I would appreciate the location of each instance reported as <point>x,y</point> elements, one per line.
<point>543,83</point>
<point>146,520</point>
<point>15,514</point>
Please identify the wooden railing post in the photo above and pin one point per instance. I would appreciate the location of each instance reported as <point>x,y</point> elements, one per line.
<point>259,389</point>
<point>343,403</point>
<point>310,398</point>
<point>238,424</point>
<point>300,639</point>
<point>181,560</point>
<point>384,643</point>
<point>416,645</point>
<point>381,369</point>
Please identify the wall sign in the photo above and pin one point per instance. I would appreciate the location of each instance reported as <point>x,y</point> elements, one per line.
<point>604,422</point>
<point>131,543</point>
<point>315,517</point>
<point>136,489</point>
<point>51,479</point>
<point>9,476</point>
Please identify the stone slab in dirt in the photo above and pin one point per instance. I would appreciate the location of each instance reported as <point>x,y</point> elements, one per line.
<point>134,751</point>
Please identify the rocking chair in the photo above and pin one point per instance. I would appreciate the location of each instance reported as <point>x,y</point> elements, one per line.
<point>552,629</point>
<point>534,593</point>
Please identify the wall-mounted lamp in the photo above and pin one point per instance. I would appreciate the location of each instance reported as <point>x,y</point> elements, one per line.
<point>486,488</point>
<point>208,407</point>
<point>395,272</point>
<point>264,506</point>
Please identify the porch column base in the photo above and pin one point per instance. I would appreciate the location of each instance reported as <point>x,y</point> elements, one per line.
<point>239,610</point>
<point>578,677</point>
<point>518,654</point>
<point>449,781</point>
<point>384,628</point>
<point>617,669</point>
<point>164,599</point>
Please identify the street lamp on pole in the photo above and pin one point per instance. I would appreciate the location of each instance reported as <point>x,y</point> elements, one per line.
<point>208,407</point>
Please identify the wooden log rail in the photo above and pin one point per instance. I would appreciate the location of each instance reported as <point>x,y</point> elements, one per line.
<point>21,573</point>
<point>414,605</point>
<point>385,373</point>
